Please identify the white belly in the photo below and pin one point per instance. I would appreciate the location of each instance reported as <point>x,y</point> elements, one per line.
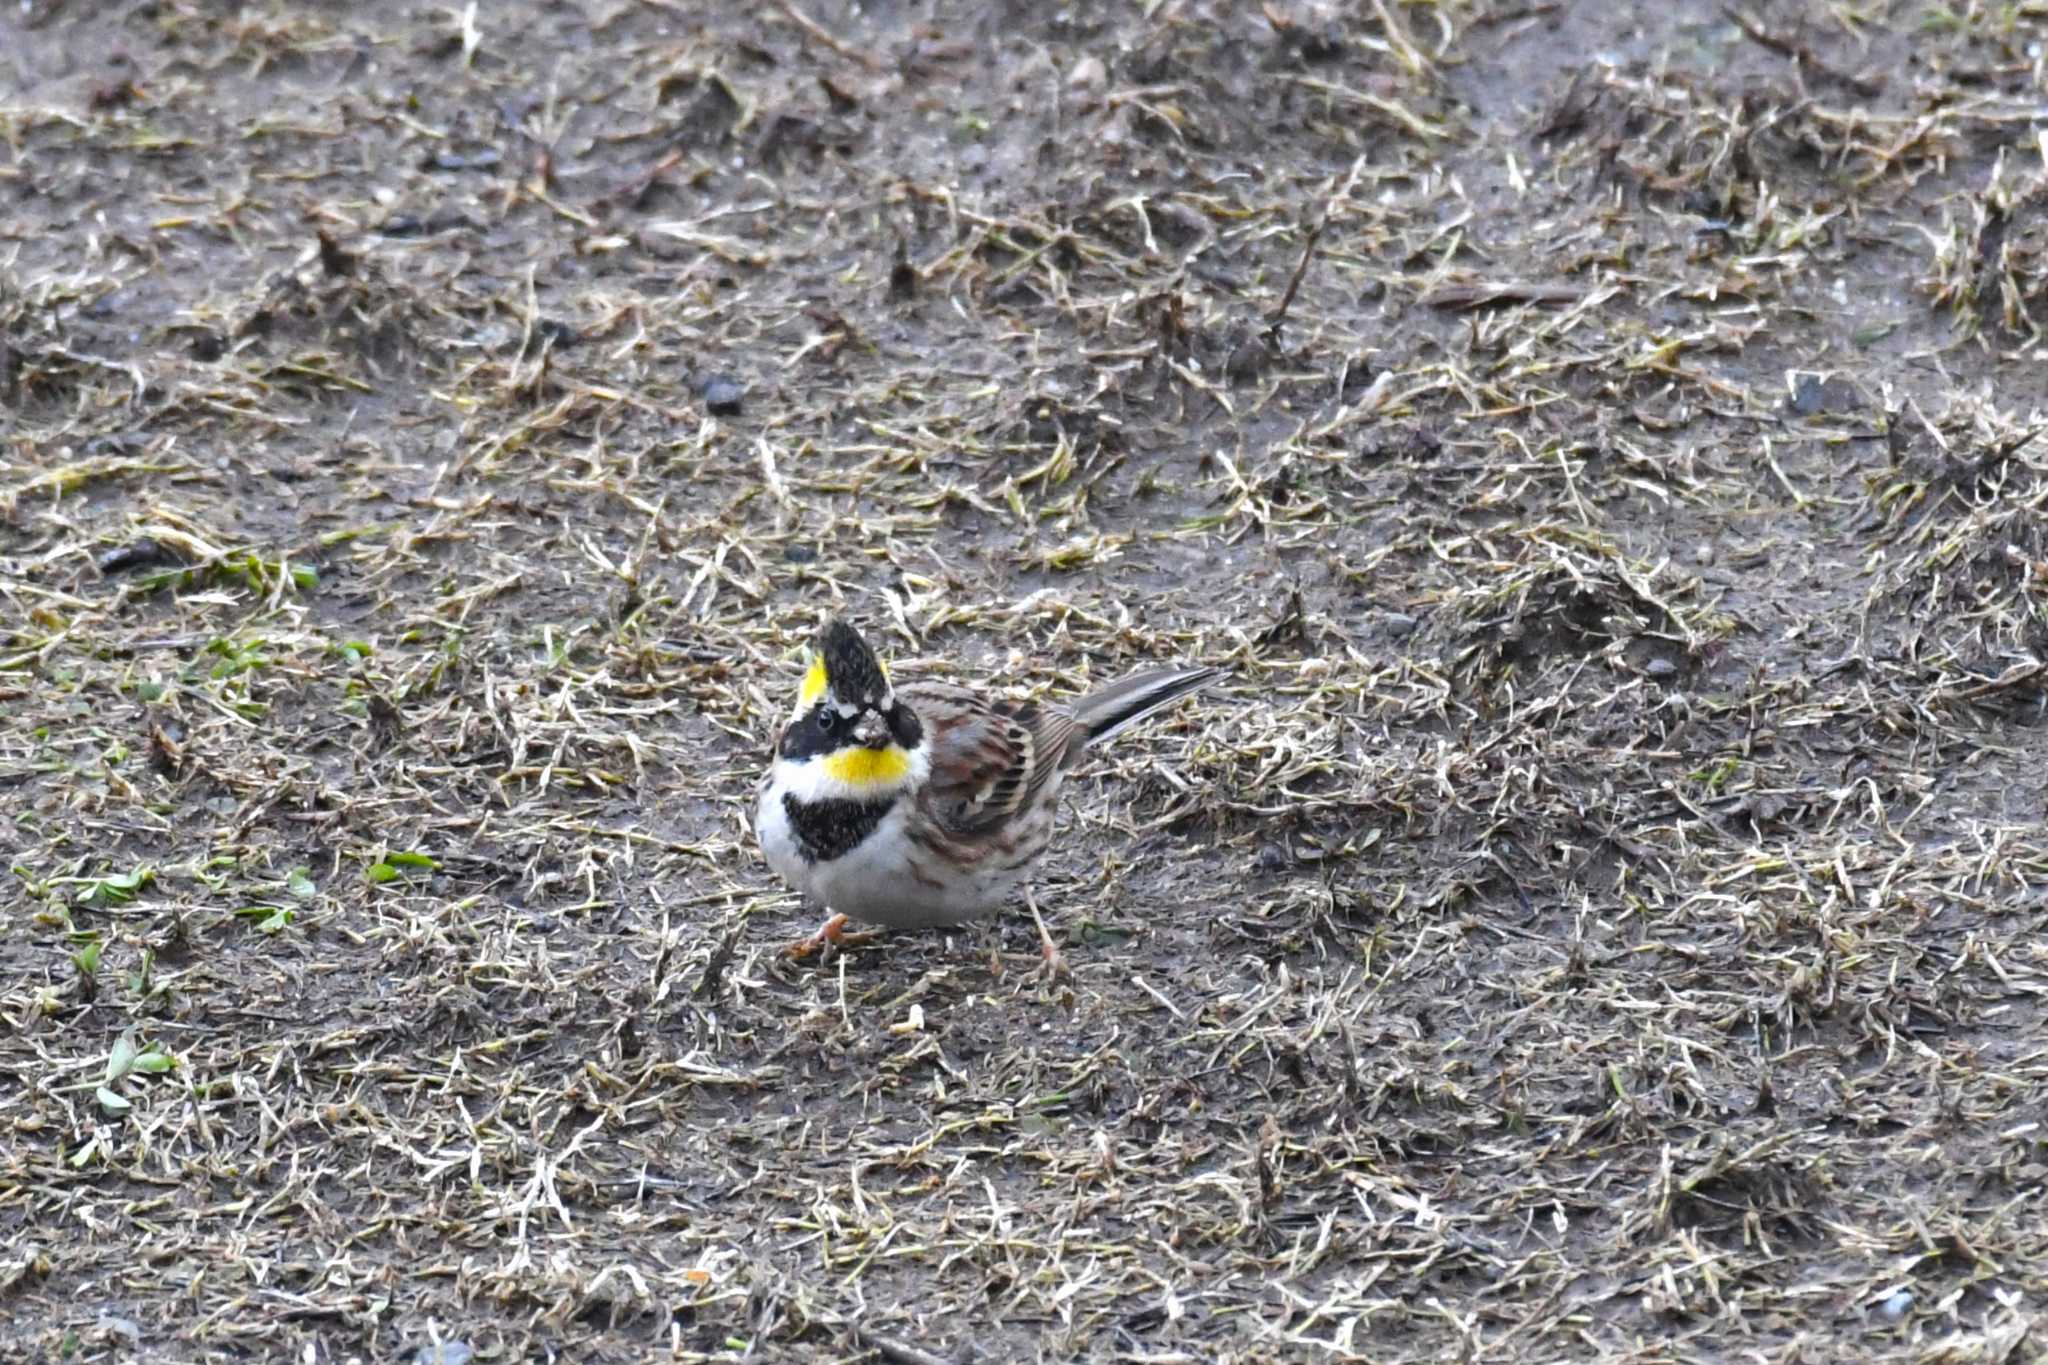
<point>778,841</point>
<point>878,881</point>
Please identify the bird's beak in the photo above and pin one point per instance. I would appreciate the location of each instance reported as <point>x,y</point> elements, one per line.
<point>872,731</point>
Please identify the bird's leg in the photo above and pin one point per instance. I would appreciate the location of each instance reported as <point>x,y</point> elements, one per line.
<point>832,933</point>
<point>1055,965</point>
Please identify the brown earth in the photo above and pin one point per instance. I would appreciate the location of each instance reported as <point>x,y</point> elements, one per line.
<point>1600,919</point>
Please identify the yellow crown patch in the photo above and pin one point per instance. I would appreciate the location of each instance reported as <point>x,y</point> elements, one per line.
<point>813,685</point>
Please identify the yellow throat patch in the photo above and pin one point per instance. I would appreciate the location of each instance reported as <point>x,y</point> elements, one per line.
<point>863,767</point>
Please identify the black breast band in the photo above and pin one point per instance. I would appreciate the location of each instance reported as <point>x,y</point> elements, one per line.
<point>829,829</point>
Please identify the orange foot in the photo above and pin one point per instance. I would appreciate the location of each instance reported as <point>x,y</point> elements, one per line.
<point>833,933</point>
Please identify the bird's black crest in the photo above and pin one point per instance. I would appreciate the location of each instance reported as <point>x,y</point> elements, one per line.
<point>852,669</point>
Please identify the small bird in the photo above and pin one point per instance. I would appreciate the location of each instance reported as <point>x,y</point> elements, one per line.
<point>925,805</point>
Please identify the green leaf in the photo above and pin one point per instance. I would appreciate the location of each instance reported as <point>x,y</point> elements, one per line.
<point>300,883</point>
<point>269,918</point>
<point>159,579</point>
<point>111,1102</point>
<point>305,576</point>
<point>122,1059</point>
<point>155,1063</point>
<point>115,888</point>
<point>395,865</point>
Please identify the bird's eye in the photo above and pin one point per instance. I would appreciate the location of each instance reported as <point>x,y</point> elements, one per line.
<point>827,718</point>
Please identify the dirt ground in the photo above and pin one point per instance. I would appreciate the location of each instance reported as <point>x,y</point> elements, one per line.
<point>1600,919</point>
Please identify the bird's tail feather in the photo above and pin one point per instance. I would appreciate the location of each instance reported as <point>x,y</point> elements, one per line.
<point>1123,704</point>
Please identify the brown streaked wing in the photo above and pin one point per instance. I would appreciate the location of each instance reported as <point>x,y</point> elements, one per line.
<point>990,757</point>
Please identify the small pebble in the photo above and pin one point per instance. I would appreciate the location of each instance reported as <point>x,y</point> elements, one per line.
<point>1898,1305</point>
<point>902,279</point>
<point>1249,358</point>
<point>136,554</point>
<point>561,334</point>
<point>1660,668</point>
<point>1088,74</point>
<point>723,395</point>
<point>482,160</point>
<point>124,1328</point>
